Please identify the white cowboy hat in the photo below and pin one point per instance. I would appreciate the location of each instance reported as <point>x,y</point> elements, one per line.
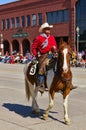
<point>45,25</point>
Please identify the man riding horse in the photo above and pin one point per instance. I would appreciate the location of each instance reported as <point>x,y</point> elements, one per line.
<point>42,48</point>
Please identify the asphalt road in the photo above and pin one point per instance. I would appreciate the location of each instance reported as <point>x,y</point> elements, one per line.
<point>15,110</point>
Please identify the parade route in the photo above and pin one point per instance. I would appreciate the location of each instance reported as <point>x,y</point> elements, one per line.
<point>15,110</point>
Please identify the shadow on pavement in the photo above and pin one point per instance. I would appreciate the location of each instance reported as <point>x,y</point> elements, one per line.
<point>26,111</point>
<point>20,109</point>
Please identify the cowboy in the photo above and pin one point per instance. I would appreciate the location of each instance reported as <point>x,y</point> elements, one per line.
<point>42,49</point>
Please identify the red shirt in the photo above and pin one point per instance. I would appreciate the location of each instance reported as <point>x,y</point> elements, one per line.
<point>40,45</point>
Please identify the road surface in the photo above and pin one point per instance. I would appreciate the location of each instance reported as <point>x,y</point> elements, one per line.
<point>15,110</point>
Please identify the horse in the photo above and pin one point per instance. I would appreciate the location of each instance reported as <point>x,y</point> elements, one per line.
<point>62,80</point>
<point>31,81</point>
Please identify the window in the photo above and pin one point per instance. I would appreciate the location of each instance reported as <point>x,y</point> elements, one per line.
<point>57,16</point>
<point>17,22</point>
<point>65,15</point>
<point>40,18</point>
<point>23,21</point>
<point>3,24</point>
<point>81,20</point>
<point>12,23</point>
<point>8,23</point>
<point>34,20</point>
<point>60,16</point>
<point>28,20</point>
<point>49,17</point>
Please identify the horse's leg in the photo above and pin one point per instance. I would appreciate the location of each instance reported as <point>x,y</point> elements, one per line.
<point>35,107</point>
<point>65,106</point>
<point>33,92</point>
<point>51,104</point>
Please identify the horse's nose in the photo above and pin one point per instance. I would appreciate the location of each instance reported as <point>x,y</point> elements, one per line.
<point>65,70</point>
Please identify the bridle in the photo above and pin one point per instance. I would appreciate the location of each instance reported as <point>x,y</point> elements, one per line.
<point>66,79</point>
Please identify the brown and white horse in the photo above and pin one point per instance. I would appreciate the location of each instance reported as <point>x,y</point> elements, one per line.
<point>61,81</point>
<point>31,84</point>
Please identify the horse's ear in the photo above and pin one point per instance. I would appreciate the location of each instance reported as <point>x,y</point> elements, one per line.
<point>61,41</point>
<point>69,41</point>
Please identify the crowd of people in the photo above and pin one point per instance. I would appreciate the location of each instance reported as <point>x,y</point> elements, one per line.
<point>16,58</point>
<point>78,60</point>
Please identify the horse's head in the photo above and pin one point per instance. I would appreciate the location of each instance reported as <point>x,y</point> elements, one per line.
<point>64,56</point>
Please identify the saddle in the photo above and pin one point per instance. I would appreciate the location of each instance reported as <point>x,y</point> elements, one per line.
<point>35,66</point>
<point>51,64</point>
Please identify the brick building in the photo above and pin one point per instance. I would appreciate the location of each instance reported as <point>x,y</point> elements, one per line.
<point>20,22</point>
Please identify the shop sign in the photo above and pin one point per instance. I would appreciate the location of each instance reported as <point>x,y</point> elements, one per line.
<point>19,35</point>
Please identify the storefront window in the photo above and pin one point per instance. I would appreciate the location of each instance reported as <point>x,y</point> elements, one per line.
<point>12,23</point>
<point>40,18</point>
<point>33,20</point>
<point>28,20</point>
<point>8,23</point>
<point>57,16</point>
<point>3,24</point>
<point>17,22</point>
<point>23,21</point>
<point>81,22</point>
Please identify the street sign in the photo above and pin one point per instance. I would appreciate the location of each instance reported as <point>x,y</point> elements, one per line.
<point>19,35</point>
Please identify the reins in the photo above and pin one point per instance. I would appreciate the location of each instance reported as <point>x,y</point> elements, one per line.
<point>66,79</point>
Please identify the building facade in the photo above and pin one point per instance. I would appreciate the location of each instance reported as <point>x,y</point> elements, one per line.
<point>20,22</point>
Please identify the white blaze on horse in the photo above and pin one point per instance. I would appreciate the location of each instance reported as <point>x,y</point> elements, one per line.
<point>61,81</point>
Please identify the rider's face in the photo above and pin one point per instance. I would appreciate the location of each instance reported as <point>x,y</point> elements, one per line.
<point>47,31</point>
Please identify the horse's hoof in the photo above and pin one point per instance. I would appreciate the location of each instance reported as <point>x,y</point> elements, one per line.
<point>36,112</point>
<point>45,116</point>
<point>68,122</point>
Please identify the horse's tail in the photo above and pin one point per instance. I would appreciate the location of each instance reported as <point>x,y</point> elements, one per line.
<point>27,89</point>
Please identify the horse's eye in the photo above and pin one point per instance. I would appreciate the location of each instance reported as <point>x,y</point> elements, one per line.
<point>69,53</point>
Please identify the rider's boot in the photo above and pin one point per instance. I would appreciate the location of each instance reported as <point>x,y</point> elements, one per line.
<point>73,87</point>
<point>41,89</point>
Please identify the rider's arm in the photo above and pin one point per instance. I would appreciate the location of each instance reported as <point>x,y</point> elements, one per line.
<point>54,43</point>
<point>35,47</point>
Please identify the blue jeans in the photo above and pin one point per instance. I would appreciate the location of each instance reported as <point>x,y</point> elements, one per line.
<point>40,79</point>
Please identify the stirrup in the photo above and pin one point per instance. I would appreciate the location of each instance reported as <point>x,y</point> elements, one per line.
<point>41,89</point>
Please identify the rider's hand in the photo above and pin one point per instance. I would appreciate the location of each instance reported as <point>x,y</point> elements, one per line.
<point>55,55</point>
<point>49,55</point>
<point>38,54</point>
